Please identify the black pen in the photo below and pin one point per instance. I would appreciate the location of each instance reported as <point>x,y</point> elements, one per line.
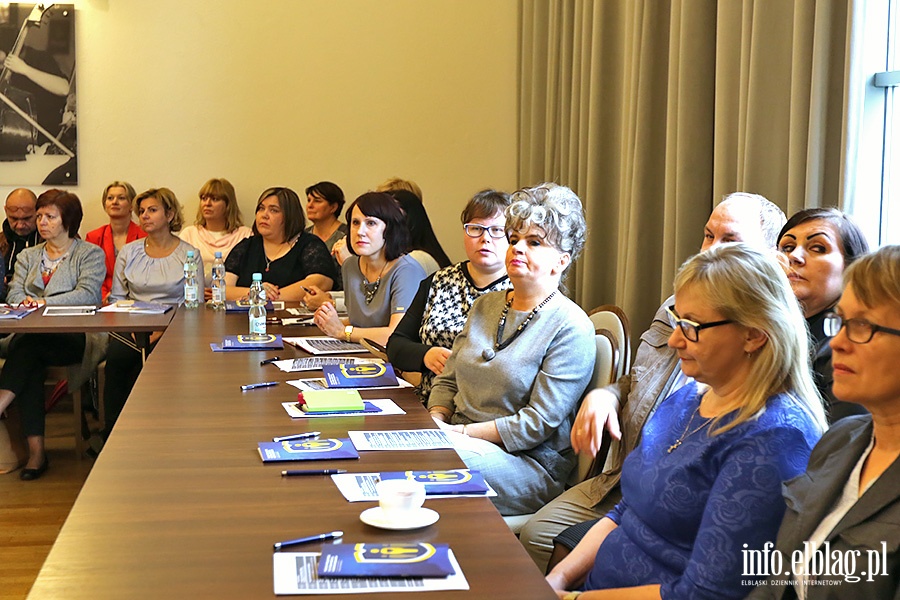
<point>297,436</point>
<point>313,472</point>
<point>253,386</point>
<point>269,361</point>
<point>313,538</point>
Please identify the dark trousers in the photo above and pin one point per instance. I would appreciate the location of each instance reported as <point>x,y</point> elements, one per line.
<point>123,365</point>
<point>24,372</point>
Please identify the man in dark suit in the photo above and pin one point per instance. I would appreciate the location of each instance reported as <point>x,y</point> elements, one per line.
<point>19,231</point>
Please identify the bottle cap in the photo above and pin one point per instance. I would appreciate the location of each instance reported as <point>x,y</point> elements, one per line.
<point>218,255</point>
<point>190,254</point>
<point>257,277</point>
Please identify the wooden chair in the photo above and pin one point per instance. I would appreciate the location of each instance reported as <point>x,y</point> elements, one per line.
<point>613,319</point>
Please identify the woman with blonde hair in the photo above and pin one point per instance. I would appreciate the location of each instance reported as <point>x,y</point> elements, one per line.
<point>117,198</point>
<point>219,225</point>
<point>703,485</point>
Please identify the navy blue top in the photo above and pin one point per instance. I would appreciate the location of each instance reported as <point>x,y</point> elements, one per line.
<point>686,516</point>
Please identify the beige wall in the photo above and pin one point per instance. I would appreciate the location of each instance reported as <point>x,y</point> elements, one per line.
<point>290,92</point>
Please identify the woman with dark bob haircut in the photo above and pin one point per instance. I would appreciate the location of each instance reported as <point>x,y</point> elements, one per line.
<point>820,243</point>
<point>380,279</point>
<point>423,243</point>
<point>324,203</point>
<point>288,258</point>
<point>62,270</point>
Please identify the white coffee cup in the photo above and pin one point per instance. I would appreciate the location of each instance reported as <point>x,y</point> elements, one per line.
<point>338,298</point>
<point>399,498</point>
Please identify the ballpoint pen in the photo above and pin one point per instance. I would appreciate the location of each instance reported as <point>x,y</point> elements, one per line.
<point>297,436</point>
<point>312,472</point>
<point>269,361</point>
<point>313,538</point>
<point>253,386</point>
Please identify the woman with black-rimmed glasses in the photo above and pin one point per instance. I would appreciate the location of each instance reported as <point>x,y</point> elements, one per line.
<point>847,503</point>
<point>703,485</point>
<point>423,339</point>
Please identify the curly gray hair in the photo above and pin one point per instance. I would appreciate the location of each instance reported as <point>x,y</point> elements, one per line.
<point>556,210</point>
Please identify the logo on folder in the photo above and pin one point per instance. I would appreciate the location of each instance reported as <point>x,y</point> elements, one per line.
<point>393,553</point>
<point>256,338</point>
<point>363,371</point>
<point>442,477</point>
<point>312,445</point>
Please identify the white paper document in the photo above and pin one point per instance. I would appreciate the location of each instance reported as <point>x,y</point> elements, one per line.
<point>407,439</point>
<point>324,345</point>
<point>319,383</point>
<point>360,487</point>
<point>297,573</point>
<point>388,407</point>
<point>69,311</point>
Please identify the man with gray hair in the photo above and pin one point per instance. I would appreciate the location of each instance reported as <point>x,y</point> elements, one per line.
<point>19,231</point>
<point>656,373</point>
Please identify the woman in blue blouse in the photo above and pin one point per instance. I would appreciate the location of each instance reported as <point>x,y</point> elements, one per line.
<point>704,484</point>
<point>147,270</point>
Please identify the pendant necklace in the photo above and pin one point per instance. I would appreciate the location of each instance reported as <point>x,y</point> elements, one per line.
<point>685,434</point>
<point>489,353</point>
<point>370,289</point>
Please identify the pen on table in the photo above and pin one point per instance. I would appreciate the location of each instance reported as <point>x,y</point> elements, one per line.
<point>297,436</point>
<point>313,538</point>
<point>306,289</point>
<point>253,386</point>
<point>313,472</point>
<point>269,361</point>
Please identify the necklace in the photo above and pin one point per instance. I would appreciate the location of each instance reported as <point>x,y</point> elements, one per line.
<point>370,289</point>
<point>489,353</point>
<point>685,434</point>
<point>277,255</point>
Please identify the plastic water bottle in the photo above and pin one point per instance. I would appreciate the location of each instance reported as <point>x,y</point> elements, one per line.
<point>218,283</point>
<point>191,291</point>
<point>257,308</point>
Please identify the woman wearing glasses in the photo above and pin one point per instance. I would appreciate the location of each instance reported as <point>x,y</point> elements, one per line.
<point>422,341</point>
<point>704,483</point>
<point>117,202</point>
<point>218,226</point>
<point>63,270</point>
<point>819,244</point>
<point>847,504</point>
<point>523,360</point>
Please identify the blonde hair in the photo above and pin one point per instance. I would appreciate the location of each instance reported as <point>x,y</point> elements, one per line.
<point>170,204</point>
<point>875,277</point>
<point>221,187</point>
<point>395,183</point>
<point>746,285</point>
<point>129,191</point>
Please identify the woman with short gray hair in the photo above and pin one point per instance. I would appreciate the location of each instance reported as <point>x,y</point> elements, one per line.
<point>522,362</point>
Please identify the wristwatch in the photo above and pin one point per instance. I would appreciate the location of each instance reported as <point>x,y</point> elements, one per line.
<point>348,330</point>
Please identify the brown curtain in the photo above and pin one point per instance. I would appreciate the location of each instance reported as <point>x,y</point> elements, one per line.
<point>653,110</point>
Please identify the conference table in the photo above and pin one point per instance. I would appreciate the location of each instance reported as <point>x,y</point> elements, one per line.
<point>180,505</point>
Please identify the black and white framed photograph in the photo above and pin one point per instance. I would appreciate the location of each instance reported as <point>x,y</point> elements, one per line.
<point>38,132</point>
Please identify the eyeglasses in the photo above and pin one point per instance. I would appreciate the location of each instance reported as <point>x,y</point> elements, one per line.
<point>859,331</point>
<point>691,329</point>
<point>474,230</point>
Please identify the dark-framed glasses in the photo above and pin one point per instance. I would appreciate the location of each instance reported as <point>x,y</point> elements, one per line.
<point>691,329</point>
<point>859,331</point>
<point>473,230</point>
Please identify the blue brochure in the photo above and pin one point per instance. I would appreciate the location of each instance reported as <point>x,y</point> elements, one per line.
<point>331,449</point>
<point>385,560</point>
<point>234,343</point>
<point>359,375</point>
<point>233,306</point>
<point>455,481</point>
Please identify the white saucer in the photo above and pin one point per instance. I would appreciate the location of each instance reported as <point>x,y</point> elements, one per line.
<point>415,520</point>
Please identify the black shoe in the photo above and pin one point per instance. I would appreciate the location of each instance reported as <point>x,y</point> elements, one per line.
<point>32,474</point>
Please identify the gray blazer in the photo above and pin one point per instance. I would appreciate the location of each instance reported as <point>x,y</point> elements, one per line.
<point>77,279</point>
<point>874,519</point>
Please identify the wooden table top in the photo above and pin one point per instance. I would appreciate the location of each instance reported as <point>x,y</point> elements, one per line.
<point>179,504</point>
<point>36,322</point>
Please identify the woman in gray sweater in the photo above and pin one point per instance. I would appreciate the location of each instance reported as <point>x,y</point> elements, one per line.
<point>63,270</point>
<point>521,364</point>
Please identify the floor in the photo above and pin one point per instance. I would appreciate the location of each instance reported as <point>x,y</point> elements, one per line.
<point>32,512</point>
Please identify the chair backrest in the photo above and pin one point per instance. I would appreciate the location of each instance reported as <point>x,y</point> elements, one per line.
<point>606,368</point>
<point>613,318</point>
